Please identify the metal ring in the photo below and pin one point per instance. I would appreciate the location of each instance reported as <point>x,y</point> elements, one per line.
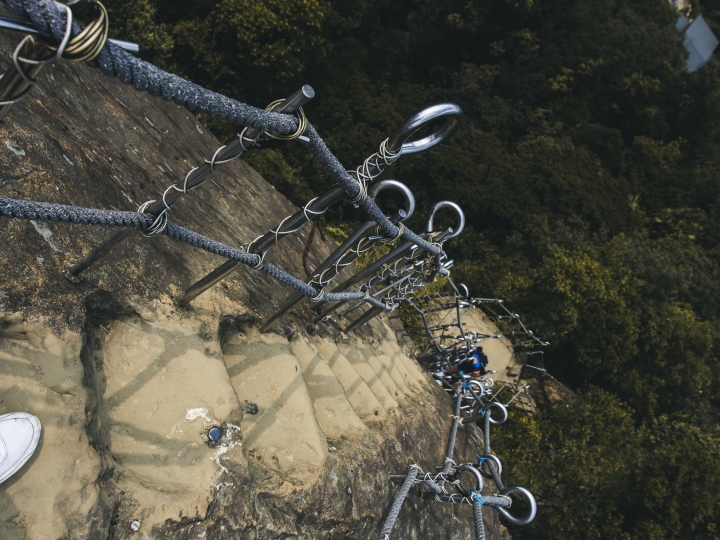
<point>494,459</point>
<point>398,141</point>
<point>531,500</point>
<point>456,479</point>
<point>497,406</point>
<point>452,206</point>
<point>479,386</point>
<point>397,186</point>
<point>464,289</point>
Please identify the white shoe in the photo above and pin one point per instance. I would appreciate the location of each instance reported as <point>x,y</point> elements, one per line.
<point>19,436</point>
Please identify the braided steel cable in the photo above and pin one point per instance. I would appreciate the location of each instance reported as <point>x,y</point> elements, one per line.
<point>451,441</point>
<point>398,502</point>
<point>417,275</point>
<point>33,210</point>
<point>362,246</point>
<point>387,273</point>
<point>302,123</point>
<point>87,44</point>
<point>477,514</point>
<point>494,473</point>
<point>494,501</point>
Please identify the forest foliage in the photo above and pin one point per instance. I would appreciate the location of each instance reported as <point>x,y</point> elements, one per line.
<point>587,166</point>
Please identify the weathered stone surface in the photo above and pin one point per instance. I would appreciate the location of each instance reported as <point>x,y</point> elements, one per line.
<point>333,411</point>
<point>356,389</point>
<point>126,383</point>
<point>164,388</point>
<point>41,373</point>
<point>284,435</point>
<point>369,374</point>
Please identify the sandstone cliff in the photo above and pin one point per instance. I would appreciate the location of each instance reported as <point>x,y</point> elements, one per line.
<point>127,384</point>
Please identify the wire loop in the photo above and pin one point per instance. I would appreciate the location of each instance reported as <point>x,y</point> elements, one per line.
<point>371,168</point>
<point>302,123</point>
<point>157,226</point>
<point>85,46</point>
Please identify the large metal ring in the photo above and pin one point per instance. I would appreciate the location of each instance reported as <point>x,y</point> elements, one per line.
<point>531,500</point>
<point>495,460</point>
<point>479,388</point>
<point>396,186</point>
<point>463,288</point>
<point>497,406</point>
<point>456,477</point>
<point>452,206</point>
<point>399,139</point>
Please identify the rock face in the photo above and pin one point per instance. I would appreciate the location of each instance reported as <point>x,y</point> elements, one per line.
<point>127,384</point>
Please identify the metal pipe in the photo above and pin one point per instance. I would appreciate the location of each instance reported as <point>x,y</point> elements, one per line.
<point>369,314</point>
<point>374,311</point>
<point>399,139</point>
<point>17,25</point>
<point>195,178</point>
<point>390,258</point>
<point>296,298</point>
<point>262,244</point>
<point>395,254</point>
<point>342,254</point>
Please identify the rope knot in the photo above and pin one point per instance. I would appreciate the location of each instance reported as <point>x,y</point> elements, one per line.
<point>475,496</point>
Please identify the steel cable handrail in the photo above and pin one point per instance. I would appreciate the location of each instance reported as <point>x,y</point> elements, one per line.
<point>53,20</point>
<point>33,210</point>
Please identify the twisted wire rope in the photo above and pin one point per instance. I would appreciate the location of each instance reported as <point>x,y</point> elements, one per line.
<point>33,210</point>
<point>398,502</point>
<point>477,514</point>
<point>51,20</point>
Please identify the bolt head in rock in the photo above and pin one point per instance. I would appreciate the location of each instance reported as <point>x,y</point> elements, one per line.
<point>214,434</point>
<point>251,408</point>
<point>135,526</point>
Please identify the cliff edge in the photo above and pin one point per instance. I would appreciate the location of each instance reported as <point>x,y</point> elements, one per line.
<point>127,384</point>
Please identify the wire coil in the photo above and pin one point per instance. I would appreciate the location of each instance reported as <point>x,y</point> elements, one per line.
<point>85,46</point>
<point>302,123</point>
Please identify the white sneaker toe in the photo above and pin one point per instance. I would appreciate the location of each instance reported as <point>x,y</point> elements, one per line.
<point>19,436</point>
